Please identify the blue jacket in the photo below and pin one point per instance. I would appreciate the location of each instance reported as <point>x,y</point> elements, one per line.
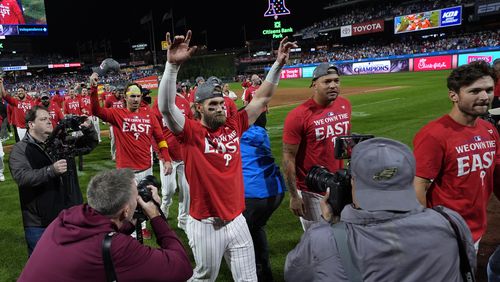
<point>261,176</point>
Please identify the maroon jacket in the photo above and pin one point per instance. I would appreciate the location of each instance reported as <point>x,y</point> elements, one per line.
<point>71,250</point>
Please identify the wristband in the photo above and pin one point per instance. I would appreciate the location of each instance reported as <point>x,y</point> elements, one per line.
<point>274,73</point>
<point>162,144</point>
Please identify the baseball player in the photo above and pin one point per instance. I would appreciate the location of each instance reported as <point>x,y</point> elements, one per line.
<point>250,91</point>
<point>21,105</point>
<point>86,109</point>
<point>55,112</point>
<point>308,139</point>
<point>72,103</point>
<point>135,128</point>
<point>458,155</point>
<point>169,182</point>
<point>216,227</point>
<point>115,102</point>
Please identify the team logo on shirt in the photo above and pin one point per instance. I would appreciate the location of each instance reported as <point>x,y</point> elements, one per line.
<point>330,114</point>
<point>137,126</point>
<point>331,126</point>
<point>226,144</point>
<point>476,156</point>
<point>477,138</point>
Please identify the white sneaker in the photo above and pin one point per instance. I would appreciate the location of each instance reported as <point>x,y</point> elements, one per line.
<point>2,177</point>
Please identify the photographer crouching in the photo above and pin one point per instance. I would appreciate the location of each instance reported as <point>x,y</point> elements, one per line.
<point>43,166</point>
<point>385,234</point>
<point>91,242</point>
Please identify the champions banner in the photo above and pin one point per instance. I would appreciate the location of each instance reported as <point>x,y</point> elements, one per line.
<point>385,66</point>
<point>149,82</point>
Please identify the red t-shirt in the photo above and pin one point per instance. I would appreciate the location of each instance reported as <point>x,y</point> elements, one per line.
<point>114,103</point>
<point>105,95</point>
<point>461,161</point>
<point>175,149</point>
<point>58,99</point>
<point>231,108</point>
<point>314,128</point>
<point>213,167</point>
<point>191,95</point>
<point>497,88</point>
<point>10,13</point>
<point>249,92</point>
<point>85,106</point>
<point>20,107</point>
<point>72,106</point>
<point>134,133</point>
<point>55,114</point>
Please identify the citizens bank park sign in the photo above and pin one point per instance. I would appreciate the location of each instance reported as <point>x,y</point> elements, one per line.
<point>362,28</point>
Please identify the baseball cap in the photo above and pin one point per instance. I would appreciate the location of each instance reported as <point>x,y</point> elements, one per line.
<point>213,80</point>
<point>44,94</point>
<point>324,69</point>
<point>107,65</point>
<point>198,79</point>
<point>207,91</point>
<point>383,171</point>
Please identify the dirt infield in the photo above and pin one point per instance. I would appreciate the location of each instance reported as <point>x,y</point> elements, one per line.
<point>289,96</point>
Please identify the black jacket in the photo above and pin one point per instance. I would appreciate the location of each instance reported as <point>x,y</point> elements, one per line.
<point>42,193</point>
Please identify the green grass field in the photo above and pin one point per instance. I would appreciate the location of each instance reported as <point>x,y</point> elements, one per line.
<point>396,114</point>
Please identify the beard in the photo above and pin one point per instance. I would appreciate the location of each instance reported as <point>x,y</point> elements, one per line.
<point>215,121</point>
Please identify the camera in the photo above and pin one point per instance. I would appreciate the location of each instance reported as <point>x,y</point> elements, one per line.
<point>64,136</point>
<point>146,194</point>
<point>318,178</point>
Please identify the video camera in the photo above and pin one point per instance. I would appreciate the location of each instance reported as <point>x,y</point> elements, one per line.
<point>146,195</point>
<point>318,179</point>
<point>64,136</point>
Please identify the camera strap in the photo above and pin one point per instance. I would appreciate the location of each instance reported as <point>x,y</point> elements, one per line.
<point>106,256</point>
<point>465,268</point>
<point>340,235</point>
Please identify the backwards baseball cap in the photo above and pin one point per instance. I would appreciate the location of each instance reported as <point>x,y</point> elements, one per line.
<point>383,172</point>
<point>44,94</point>
<point>207,91</point>
<point>107,65</point>
<point>324,69</point>
<point>199,79</point>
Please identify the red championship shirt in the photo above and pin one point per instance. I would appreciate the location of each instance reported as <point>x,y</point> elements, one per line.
<point>460,160</point>
<point>231,108</point>
<point>175,148</point>
<point>57,99</point>
<point>249,92</point>
<point>105,95</point>
<point>20,107</point>
<point>85,106</point>
<point>134,133</point>
<point>314,128</point>
<point>10,12</point>
<point>213,167</point>
<point>114,103</point>
<point>55,114</point>
<point>72,106</point>
<point>192,95</point>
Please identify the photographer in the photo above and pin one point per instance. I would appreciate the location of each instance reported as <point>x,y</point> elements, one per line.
<point>388,235</point>
<point>47,181</point>
<point>72,246</point>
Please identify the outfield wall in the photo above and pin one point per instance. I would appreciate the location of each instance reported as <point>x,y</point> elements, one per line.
<point>443,60</point>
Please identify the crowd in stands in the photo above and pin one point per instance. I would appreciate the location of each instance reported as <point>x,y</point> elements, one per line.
<point>409,45</point>
<point>372,11</point>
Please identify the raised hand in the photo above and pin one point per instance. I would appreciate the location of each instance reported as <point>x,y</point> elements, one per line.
<point>284,50</point>
<point>179,50</point>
